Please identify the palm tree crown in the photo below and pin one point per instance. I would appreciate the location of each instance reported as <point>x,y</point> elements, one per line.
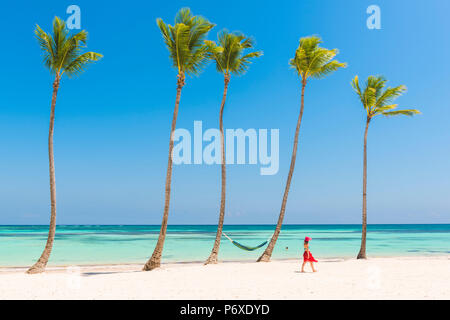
<point>62,52</point>
<point>313,61</point>
<point>377,99</point>
<point>229,52</point>
<point>185,41</point>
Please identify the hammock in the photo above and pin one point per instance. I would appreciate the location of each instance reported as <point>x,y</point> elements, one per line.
<point>241,246</point>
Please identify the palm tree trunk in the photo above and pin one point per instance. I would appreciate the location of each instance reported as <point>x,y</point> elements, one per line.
<point>155,260</point>
<point>215,251</point>
<point>265,257</point>
<point>40,265</point>
<point>362,250</point>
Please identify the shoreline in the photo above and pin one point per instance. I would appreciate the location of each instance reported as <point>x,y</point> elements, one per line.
<point>164,264</point>
<point>375,278</point>
<point>194,262</point>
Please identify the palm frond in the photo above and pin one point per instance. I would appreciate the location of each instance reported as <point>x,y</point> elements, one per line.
<point>386,108</point>
<point>377,83</point>
<point>46,44</point>
<point>184,16</point>
<point>71,49</point>
<point>79,64</point>
<point>197,61</point>
<point>357,89</point>
<point>406,112</point>
<point>180,34</point>
<point>370,98</point>
<point>328,68</point>
<point>389,95</point>
<point>245,62</point>
<point>214,53</point>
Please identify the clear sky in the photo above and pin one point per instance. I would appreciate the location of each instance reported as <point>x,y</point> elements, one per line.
<point>112,123</point>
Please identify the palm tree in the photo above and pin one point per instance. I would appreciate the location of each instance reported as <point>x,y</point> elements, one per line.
<point>310,61</point>
<point>376,100</point>
<point>62,55</point>
<point>189,54</point>
<point>230,59</point>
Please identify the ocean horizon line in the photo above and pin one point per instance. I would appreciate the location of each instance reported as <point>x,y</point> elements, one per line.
<point>230,224</point>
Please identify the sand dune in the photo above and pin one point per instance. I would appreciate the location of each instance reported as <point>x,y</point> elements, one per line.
<point>376,278</point>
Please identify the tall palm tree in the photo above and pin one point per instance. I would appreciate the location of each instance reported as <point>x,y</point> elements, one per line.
<point>189,54</point>
<point>376,100</point>
<point>62,55</point>
<point>230,59</point>
<point>310,61</point>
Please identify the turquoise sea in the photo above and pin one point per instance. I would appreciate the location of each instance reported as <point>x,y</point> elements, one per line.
<point>114,244</point>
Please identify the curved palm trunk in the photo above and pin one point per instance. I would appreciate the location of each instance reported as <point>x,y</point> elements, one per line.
<point>362,250</point>
<point>155,260</point>
<point>265,257</point>
<point>215,250</point>
<point>40,265</point>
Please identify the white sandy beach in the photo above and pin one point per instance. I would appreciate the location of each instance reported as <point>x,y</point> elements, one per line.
<point>375,278</point>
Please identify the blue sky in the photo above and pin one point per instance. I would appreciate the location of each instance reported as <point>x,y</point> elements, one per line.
<point>112,123</point>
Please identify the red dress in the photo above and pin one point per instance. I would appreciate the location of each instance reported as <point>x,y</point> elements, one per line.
<point>310,259</point>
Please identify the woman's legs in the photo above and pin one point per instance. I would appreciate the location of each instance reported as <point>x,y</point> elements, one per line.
<point>312,266</point>
<point>303,266</point>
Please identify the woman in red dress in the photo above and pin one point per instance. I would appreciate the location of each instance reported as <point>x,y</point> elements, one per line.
<point>307,256</point>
